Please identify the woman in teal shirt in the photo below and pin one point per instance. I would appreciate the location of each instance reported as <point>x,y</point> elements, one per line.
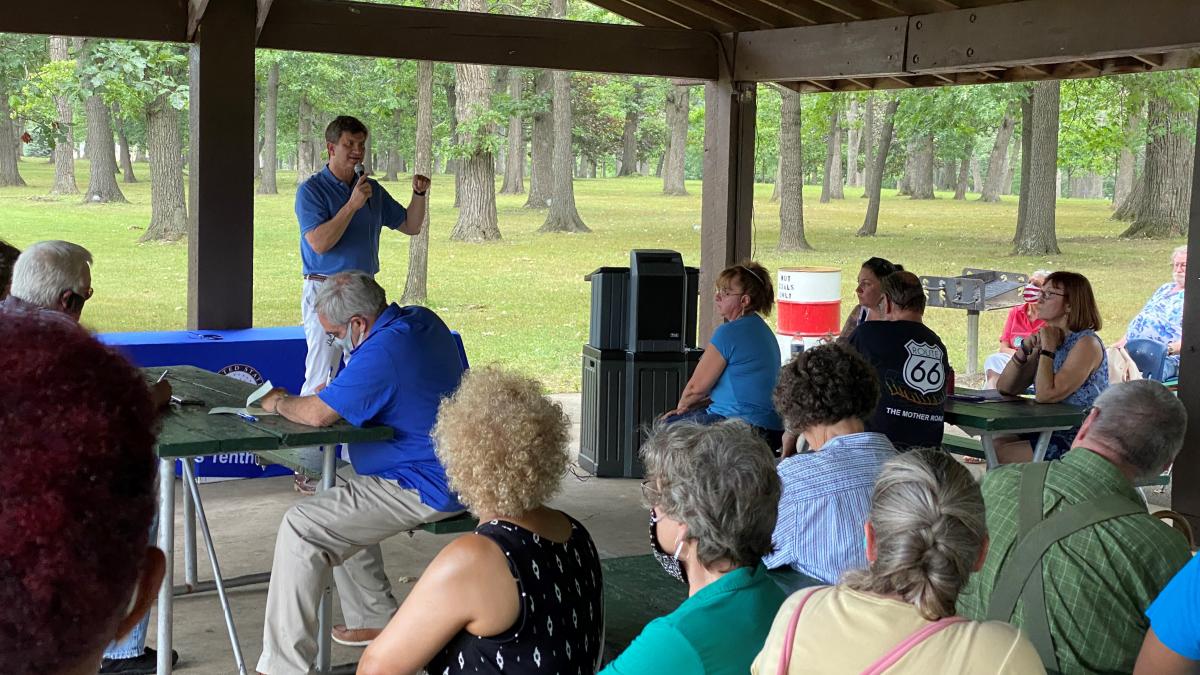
<point>714,496</point>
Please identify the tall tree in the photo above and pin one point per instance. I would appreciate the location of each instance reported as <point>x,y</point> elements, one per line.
<point>102,183</point>
<point>868,139</point>
<point>415,283</point>
<point>168,210</point>
<point>921,178</point>
<point>790,179</point>
<point>541,162</point>
<point>1162,209</point>
<point>306,147</point>
<point>1123,184</point>
<point>1035,233</point>
<point>997,159</point>
<point>267,185</point>
<point>875,176</point>
<point>477,219</point>
<point>123,144</point>
<point>514,165</point>
<point>831,181</point>
<point>64,126</point>
<point>10,172</point>
<point>563,217</point>
<point>853,141</point>
<point>964,167</point>
<point>678,106</point>
<point>629,136</point>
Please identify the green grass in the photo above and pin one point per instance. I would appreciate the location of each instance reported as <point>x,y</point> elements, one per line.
<point>522,302</point>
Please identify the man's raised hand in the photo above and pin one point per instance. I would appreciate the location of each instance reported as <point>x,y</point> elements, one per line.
<point>420,184</point>
<point>360,193</point>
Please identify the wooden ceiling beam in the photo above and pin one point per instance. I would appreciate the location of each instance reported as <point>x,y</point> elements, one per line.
<point>1049,31</point>
<point>728,20</point>
<point>195,14</point>
<point>648,16</point>
<point>391,31</point>
<point>764,11</point>
<point>264,9</point>
<point>860,10</point>
<point>164,20</point>
<point>852,49</point>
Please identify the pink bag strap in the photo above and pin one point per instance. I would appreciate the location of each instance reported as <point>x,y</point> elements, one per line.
<point>890,659</point>
<point>785,659</point>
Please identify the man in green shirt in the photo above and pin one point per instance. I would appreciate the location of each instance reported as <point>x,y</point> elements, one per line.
<point>1098,580</point>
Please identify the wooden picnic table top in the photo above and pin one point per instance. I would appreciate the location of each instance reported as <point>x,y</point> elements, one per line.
<point>1023,414</point>
<point>189,431</point>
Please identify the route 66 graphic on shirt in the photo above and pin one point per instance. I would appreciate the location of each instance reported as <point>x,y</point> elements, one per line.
<point>923,370</point>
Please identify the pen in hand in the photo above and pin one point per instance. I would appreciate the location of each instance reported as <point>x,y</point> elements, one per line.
<point>161,377</point>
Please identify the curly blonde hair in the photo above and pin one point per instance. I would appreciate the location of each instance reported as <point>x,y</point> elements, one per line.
<point>503,443</point>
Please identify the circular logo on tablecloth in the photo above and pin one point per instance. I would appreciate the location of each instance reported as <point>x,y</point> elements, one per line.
<point>243,372</point>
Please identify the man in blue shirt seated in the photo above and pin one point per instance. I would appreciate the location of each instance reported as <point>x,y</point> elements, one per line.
<point>1172,645</point>
<point>341,214</point>
<point>405,360</point>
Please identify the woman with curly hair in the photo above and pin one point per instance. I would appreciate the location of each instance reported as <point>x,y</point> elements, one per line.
<point>77,567</point>
<point>925,535</point>
<point>738,370</point>
<point>826,395</point>
<point>523,593</point>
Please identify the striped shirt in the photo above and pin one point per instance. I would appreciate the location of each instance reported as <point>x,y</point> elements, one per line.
<point>1099,580</point>
<point>825,501</point>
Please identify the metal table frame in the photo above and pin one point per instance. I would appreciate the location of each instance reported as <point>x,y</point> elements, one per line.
<point>188,433</point>
<point>988,419</point>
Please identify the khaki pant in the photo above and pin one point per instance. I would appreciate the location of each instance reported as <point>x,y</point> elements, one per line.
<point>336,531</point>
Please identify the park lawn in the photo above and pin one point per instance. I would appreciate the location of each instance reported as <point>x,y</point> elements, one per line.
<point>522,302</point>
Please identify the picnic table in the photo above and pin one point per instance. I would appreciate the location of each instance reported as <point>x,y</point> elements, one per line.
<point>987,419</point>
<point>188,431</point>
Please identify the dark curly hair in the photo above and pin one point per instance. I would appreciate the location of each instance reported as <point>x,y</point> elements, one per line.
<point>76,491</point>
<point>825,385</point>
<point>8,258</point>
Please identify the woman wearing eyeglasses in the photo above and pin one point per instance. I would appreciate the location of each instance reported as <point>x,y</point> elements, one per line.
<point>737,373</point>
<point>1064,360</point>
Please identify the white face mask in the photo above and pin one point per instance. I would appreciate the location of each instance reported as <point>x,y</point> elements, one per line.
<point>347,340</point>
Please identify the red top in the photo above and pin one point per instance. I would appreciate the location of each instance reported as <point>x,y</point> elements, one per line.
<point>1018,325</point>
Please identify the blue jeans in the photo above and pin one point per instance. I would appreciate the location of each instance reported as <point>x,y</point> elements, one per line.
<point>134,644</point>
<point>773,437</point>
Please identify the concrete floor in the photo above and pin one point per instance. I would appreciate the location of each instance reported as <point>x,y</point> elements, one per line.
<point>244,516</point>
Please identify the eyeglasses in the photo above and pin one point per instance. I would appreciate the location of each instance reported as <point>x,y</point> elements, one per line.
<point>729,293</point>
<point>650,492</point>
<point>1045,294</point>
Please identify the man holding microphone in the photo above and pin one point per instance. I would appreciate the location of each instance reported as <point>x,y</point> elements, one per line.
<point>341,214</point>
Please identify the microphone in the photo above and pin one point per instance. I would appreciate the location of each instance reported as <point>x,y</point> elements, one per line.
<point>359,170</point>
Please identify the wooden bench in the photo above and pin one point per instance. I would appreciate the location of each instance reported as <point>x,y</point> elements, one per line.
<point>963,445</point>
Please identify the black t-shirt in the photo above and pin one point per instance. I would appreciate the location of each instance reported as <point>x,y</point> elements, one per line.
<point>912,364</point>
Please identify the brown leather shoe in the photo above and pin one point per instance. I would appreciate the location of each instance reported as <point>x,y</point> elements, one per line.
<point>354,637</point>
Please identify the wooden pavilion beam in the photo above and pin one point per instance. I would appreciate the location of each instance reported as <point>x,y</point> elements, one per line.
<point>126,19</point>
<point>1185,477</point>
<point>852,49</point>
<point>221,232</point>
<point>465,37</point>
<point>1049,31</point>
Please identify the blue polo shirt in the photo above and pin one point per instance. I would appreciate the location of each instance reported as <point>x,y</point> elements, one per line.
<point>399,374</point>
<point>1173,614</point>
<point>320,198</point>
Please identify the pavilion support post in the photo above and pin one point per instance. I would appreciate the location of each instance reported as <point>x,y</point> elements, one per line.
<point>1185,477</point>
<point>221,169</point>
<point>730,109</point>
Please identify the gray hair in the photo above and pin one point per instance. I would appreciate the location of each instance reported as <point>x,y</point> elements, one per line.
<point>720,481</point>
<point>1145,422</point>
<point>48,268</point>
<point>928,516</point>
<point>1179,251</point>
<point>1040,274</point>
<point>349,294</point>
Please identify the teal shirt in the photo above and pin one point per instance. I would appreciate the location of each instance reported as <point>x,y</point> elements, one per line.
<point>718,630</point>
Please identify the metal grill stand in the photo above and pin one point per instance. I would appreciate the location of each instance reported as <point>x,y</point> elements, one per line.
<point>975,291</point>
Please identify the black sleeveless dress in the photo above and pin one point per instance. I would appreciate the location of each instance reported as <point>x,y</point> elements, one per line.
<point>560,628</point>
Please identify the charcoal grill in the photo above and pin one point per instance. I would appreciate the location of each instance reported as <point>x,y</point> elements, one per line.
<point>975,291</point>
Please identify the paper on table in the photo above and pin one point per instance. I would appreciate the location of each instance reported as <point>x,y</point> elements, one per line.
<point>252,407</point>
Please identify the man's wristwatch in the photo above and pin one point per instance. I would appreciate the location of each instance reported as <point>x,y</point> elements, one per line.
<point>420,194</point>
<point>1048,353</point>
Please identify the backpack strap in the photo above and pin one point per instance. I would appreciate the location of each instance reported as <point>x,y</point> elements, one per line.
<point>1021,577</point>
<point>785,659</point>
<point>920,635</point>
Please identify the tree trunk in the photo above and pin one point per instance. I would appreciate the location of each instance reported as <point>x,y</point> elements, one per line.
<point>779,169</point>
<point>305,166</point>
<point>168,210</point>
<point>868,140</point>
<point>659,168</point>
<point>976,177</point>
<point>921,180</point>
<point>1164,207</point>
<point>102,182</point>
<point>831,184</point>
<point>1010,164</point>
<point>267,185</point>
<point>541,163</point>
<point>1123,184</point>
<point>964,168</point>
<point>10,171</point>
<point>64,142</point>
<point>123,145</point>
<point>477,195</point>
<point>629,144</point>
<point>368,160</point>
<point>415,286</point>
<point>875,175</point>
<point>1036,235</point>
<point>562,216</point>
<point>514,165</point>
<point>258,140</point>
<point>789,180</point>
<point>678,105</point>
<point>853,138</point>
<point>1086,185</point>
